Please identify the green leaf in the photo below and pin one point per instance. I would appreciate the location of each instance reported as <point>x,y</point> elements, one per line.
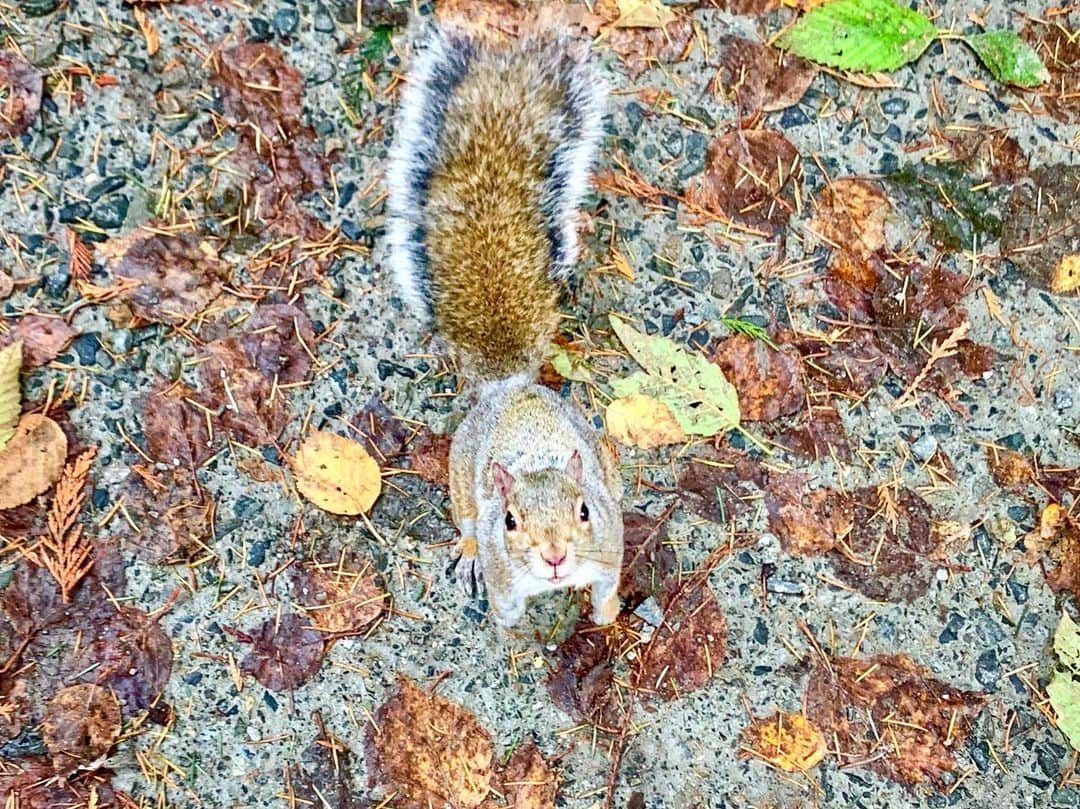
<point>10,393</point>
<point>1009,58</point>
<point>696,391</point>
<point>1067,643</point>
<point>1064,694</point>
<point>570,364</point>
<point>377,45</point>
<point>864,35</point>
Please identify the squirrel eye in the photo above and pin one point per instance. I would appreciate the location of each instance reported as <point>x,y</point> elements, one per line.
<point>584,513</point>
<point>511,523</point>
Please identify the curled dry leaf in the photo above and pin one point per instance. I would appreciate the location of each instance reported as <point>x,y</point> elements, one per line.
<point>285,654</point>
<point>20,94</point>
<point>642,421</point>
<point>750,176</point>
<point>336,474</point>
<point>759,78</point>
<point>32,460</point>
<point>81,724</point>
<point>178,275</point>
<point>10,390</point>
<point>428,751</point>
<point>769,381</point>
<point>688,648</point>
<point>429,457</point>
<point>1056,542</point>
<point>343,599</point>
<point>806,521</point>
<point>892,714</point>
<point>850,214</point>
<point>785,740</point>
<point>43,338</point>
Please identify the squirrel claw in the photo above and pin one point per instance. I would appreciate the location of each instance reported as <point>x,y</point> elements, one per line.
<point>466,569</point>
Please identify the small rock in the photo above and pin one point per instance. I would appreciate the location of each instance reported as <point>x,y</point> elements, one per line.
<point>987,668</point>
<point>673,142</point>
<point>285,21</point>
<point>38,8</point>
<point>894,106</point>
<point>1063,399</point>
<point>56,283</point>
<point>86,346</point>
<point>166,363</point>
<point>701,114</point>
<point>260,30</point>
<point>925,447</point>
<point>257,552</point>
<point>1065,798</point>
<point>120,340</point>
<point>112,213</point>
<point>106,186</point>
<point>793,117</point>
<point>323,22</point>
<point>635,116</point>
<point>694,152</point>
<point>74,211</point>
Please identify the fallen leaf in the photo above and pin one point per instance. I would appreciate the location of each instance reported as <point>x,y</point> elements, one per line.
<point>1055,542</point>
<point>176,432</point>
<point>785,740</point>
<point>642,421</point>
<point>892,714</point>
<point>643,14</point>
<point>10,391</point>
<point>648,561</point>
<point>81,724</point>
<point>380,432</point>
<point>178,275</point>
<point>759,78</point>
<point>43,338</point>
<point>258,85</point>
<point>750,176</point>
<point>1010,470</point>
<point>32,460</point>
<point>285,654</point>
<point>1066,277</point>
<point>850,214</point>
<point>721,484</point>
<point>528,780</point>
<point>582,674</point>
<point>688,648</point>
<point>149,31</point>
<point>806,521</point>
<point>1064,686</point>
<point>336,474</point>
<point>429,457</point>
<point>323,776</point>
<point>428,751</point>
<point>1055,41</point>
<point>344,597</point>
<point>20,94</point>
<point>32,784</point>
<point>820,435</point>
<point>702,401</point>
<point>883,560</point>
<point>768,381</point>
<point>173,516</point>
<point>641,48</point>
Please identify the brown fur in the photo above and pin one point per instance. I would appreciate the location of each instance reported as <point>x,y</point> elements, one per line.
<point>489,250</point>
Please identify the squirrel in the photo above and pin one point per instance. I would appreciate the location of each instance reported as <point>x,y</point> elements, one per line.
<point>492,154</point>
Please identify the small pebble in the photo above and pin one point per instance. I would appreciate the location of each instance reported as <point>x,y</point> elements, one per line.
<point>286,20</point>
<point>925,447</point>
<point>1063,399</point>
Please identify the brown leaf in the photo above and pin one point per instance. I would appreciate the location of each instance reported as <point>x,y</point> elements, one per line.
<point>176,433</point>
<point>640,48</point>
<point>179,275</point>
<point>850,215</point>
<point>43,338</point>
<point>528,780</point>
<point>1010,470</point>
<point>689,647</point>
<point>1059,49</point>
<point>883,561</point>
<point>806,521</point>
<point>20,94</point>
<point>580,682</point>
<point>323,776</point>
<point>32,460</point>
<point>759,78</point>
<point>1040,227</point>
<point>988,152</point>
<point>342,597</point>
<point>820,435</point>
<point>287,652</point>
<point>769,382</point>
<point>722,484</point>
<point>754,8</point>
<point>892,714</point>
<point>32,784</point>
<point>172,514</point>
<point>379,431</point>
<point>428,750</point>
<point>750,177</point>
<point>81,724</point>
<point>849,366</point>
<point>647,560</point>
<point>258,85</point>
<point>785,740</point>
<point>1056,543</point>
<point>430,457</point>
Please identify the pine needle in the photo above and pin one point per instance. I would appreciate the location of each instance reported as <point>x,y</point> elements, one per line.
<point>64,551</point>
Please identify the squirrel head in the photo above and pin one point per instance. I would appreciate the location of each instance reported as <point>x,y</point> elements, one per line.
<point>547,527</point>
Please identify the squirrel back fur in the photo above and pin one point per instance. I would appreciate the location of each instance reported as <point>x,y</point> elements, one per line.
<point>490,162</point>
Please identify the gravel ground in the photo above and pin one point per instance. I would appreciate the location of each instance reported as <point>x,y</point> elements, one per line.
<point>102,154</point>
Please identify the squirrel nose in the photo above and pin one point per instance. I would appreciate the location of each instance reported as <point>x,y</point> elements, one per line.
<point>554,561</point>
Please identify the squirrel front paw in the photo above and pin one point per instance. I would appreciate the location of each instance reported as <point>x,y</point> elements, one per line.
<point>606,609</point>
<point>465,567</point>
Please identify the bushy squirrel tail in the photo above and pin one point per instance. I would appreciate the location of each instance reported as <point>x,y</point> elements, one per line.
<point>572,129</point>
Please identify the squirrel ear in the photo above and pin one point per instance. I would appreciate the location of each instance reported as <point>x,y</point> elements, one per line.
<point>503,480</point>
<point>573,466</point>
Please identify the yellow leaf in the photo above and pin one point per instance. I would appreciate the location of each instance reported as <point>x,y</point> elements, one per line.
<point>642,421</point>
<point>336,474</point>
<point>10,393</point>
<point>643,14</point>
<point>788,741</point>
<point>32,461</point>
<point>1066,277</point>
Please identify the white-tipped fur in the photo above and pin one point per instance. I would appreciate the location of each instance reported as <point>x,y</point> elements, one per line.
<point>416,142</point>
